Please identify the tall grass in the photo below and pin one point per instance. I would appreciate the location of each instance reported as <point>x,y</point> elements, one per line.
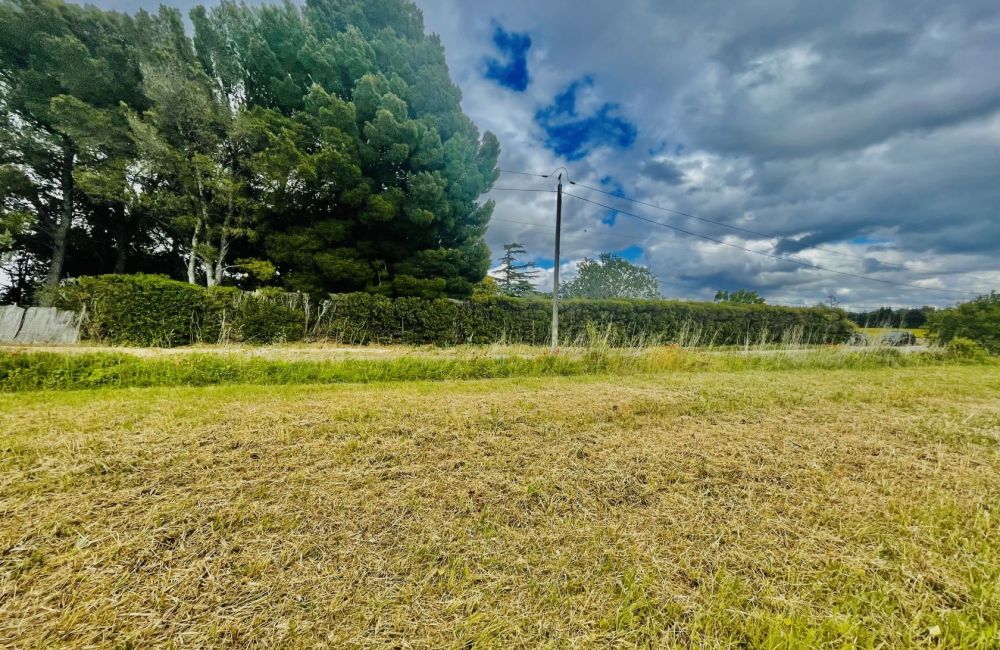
<point>25,371</point>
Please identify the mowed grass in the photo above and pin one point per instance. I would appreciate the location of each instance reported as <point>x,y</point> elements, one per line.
<point>805,508</point>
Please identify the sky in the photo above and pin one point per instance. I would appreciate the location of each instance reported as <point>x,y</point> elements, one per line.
<point>859,136</point>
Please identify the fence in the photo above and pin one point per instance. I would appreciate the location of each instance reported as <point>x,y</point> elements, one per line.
<point>46,325</point>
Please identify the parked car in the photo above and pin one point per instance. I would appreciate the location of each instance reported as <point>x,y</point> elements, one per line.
<point>897,339</point>
<point>859,339</point>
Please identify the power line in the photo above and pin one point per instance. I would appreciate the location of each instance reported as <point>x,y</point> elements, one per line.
<point>522,189</point>
<point>744,230</point>
<point>770,255</point>
<point>509,171</point>
<point>722,224</point>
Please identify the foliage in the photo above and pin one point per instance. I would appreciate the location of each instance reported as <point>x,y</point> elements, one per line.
<point>610,277</point>
<point>361,318</point>
<point>903,318</point>
<point>129,310</point>
<point>977,320</point>
<point>29,371</point>
<point>963,348</point>
<point>515,277</point>
<point>741,296</point>
<point>147,310</point>
<point>319,148</point>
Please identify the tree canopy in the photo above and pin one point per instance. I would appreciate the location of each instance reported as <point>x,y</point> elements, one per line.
<point>611,276</point>
<point>319,148</point>
<point>977,320</point>
<point>740,296</point>
<point>514,277</point>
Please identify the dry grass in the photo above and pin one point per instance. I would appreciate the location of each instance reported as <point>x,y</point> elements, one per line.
<point>768,509</point>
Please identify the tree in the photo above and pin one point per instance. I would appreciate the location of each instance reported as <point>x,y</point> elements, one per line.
<point>64,69</point>
<point>322,148</point>
<point>610,276</point>
<point>514,277</point>
<point>978,320</point>
<point>740,296</point>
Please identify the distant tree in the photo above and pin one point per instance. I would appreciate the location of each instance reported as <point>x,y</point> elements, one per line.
<point>515,277</point>
<point>889,317</point>
<point>978,319</point>
<point>741,296</point>
<point>610,276</point>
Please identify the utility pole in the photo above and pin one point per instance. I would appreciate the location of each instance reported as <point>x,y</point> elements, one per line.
<point>555,270</point>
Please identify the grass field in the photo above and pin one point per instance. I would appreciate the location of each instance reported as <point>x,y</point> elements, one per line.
<point>762,508</point>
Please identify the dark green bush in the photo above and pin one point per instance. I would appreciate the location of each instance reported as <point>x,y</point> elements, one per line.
<point>362,318</point>
<point>155,311</point>
<point>238,316</point>
<point>147,310</point>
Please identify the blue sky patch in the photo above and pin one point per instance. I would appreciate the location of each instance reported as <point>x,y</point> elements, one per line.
<point>545,262</point>
<point>571,136</point>
<point>614,187</point>
<point>512,73</point>
<point>632,253</point>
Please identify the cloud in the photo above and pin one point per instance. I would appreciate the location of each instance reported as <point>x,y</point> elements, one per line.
<point>663,171</point>
<point>513,73</point>
<point>571,136</point>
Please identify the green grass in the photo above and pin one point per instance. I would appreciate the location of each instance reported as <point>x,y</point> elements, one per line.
<point>29,370</point>
<point>819,508</point>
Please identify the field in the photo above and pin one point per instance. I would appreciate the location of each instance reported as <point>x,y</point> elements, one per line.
<point>758,507</point>
<point>876,333</point>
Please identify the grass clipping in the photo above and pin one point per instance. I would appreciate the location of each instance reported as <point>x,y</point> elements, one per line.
<point>807,509</point>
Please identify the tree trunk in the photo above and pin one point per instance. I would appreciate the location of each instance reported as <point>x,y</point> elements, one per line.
<point>60,231</point>
<point>220,263</point>
<point>196,237</point>
<point>193,258</point>
<point>209,270</point>
<point>122,241</point>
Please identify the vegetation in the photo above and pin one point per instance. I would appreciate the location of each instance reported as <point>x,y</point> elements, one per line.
<point>206,366</point>
<point>150,310</point>
<point>516,278</point>
<point>715,509</point>
<point>316,149</point>
<point>741,297</point>
<point>893,318</point>
<point>611,277</point>
<point>977,320</point>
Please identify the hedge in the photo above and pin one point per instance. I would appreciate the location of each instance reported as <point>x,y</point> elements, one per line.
<point>156,311</point>
<point>152,310</point>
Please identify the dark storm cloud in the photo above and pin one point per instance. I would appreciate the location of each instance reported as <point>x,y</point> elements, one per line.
<point>513,72</point>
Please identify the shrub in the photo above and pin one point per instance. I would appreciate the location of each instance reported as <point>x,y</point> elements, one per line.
<point>977,320</point>
<point>963,348</point>
<point>156,311</point>
<point>362,318</point>
<point>146,310</point>
<point>234,316</point>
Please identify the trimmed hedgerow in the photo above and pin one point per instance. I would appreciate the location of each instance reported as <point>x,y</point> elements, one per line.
<point>363,318</point>
<point>156,311</point>
<point>146,310</point>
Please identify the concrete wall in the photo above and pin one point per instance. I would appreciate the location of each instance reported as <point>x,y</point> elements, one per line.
<point>38,325</point>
